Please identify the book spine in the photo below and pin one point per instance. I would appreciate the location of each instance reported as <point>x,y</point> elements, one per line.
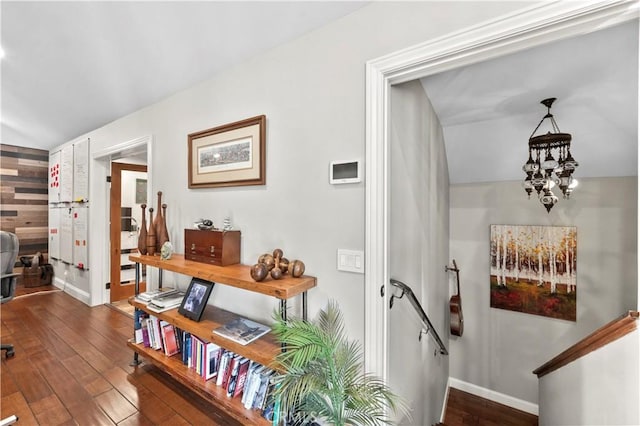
<point>242,378</point>
<point>227,371</point>
<point>262,389</point>
<point>253,383</point>
<point>221,367</point>
<point>233,377</point>
<point>145,334</point>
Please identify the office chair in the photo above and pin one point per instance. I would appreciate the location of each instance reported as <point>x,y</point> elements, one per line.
<point>8,252</point>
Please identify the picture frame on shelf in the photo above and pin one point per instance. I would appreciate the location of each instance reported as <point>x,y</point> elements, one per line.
<point>229,155</point>
<point>195,299</point>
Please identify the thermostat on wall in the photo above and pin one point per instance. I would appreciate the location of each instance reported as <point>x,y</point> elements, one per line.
<point>344,172</point>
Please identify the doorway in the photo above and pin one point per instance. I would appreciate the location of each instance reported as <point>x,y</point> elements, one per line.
<point>528,28</point>
<point>128,191</point>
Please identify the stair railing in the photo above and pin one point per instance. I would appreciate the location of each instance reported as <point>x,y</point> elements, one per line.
<point>418,307</point>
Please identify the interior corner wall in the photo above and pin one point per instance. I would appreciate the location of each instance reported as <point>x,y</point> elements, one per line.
<point>499,348</point>
<point>418,250</point>
<point>312,91</point>
<point>24,209</point>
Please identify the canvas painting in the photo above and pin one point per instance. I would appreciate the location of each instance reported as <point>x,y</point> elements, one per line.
<point>534,269</point>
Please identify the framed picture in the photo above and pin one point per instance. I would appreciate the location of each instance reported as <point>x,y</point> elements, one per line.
<point>229,155</point>
<point>534,269</point>
<point>195,299</point>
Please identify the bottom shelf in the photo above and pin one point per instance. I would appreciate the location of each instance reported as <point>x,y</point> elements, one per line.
<point>207,389</point>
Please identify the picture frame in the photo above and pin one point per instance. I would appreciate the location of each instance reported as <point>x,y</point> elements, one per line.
<point>534,270</point>
<point>195,299</point>
<point>233,154</point>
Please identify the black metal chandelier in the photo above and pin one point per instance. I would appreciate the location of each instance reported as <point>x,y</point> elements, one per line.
<point>550,162</point>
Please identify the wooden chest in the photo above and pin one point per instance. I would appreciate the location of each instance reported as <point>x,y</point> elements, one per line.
<point>219,248</point>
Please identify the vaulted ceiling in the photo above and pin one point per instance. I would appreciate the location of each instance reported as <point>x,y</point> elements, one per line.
<point>71,67</point>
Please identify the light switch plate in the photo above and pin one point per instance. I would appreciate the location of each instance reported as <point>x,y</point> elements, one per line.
<point>350,261</point>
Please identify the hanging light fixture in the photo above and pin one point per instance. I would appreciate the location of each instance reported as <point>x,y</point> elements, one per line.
<point>550,162</point>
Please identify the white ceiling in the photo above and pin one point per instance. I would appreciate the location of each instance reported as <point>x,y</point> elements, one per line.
<point>71,67</point>
<point>489,110</point>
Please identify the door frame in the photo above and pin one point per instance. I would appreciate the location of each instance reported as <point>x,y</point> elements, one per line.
<point>99,212</point>
<point>526,28</point>
<point>115,229</point>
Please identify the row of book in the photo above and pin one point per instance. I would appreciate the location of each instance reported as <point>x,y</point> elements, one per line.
<point>155,333</point>
<point>238,376</point>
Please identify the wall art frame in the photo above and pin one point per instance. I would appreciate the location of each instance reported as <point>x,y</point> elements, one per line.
<point>195,299</point>
<point>534,269</point>
<point>233,154</point>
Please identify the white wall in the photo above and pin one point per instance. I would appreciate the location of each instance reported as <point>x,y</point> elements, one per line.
<point>500,349</point>
<point>419,250</point>
<point>573,395</point>
<point>312,92</point>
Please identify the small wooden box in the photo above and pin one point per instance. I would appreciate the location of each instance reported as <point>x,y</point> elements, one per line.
<point>217,247</point>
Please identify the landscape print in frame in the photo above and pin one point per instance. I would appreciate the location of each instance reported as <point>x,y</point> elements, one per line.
<point>534,269</point>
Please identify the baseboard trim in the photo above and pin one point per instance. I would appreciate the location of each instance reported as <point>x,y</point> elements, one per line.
<point>72,290</point>
<point>494,396</point>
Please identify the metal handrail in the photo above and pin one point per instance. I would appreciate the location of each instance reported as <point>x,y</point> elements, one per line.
<point>416,305</point>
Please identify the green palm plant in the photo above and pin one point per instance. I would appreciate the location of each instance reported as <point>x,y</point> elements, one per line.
<point>323,376</point>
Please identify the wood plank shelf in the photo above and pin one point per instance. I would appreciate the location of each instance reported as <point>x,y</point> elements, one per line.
<point>208,389</point>
<point>262,350</point>
<point>232,275</point>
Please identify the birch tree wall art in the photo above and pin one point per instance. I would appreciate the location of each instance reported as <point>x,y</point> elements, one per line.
<point>533,269</point>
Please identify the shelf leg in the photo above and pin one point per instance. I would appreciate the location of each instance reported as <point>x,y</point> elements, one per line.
<point>283,313</point>
<point>136,361</point>
<point>283,309</point>
<point>304,305</point>
<point>160,277</point>
<point>137,287</point>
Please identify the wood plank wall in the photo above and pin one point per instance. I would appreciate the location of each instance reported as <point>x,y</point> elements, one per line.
<point>24,191</point>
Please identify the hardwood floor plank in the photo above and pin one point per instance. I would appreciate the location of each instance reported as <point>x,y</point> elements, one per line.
<point>50,411</point>
<point>32,385</point>
<point>115,405</point>
<point>16,405</point>
<point>136,420</point>
<point>89,413</point>
<point>72,368</point>
<point>7,383</point>
<point>65,386</point>
<point>154,408</point>
<point>469,410</point>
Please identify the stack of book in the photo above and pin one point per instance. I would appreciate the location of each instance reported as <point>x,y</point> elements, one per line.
<point>162,299</point>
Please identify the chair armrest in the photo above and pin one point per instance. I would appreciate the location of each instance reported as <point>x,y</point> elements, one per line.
<point>11,275</point>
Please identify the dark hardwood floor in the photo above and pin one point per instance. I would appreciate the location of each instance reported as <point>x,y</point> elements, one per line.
<point>465,409</point>
<point>71,367</point>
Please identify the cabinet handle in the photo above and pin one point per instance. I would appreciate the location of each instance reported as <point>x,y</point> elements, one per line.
<point>193,246</point>
<point>213,248</point>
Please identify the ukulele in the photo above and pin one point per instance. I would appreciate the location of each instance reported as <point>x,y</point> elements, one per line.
<point>456,321</point>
